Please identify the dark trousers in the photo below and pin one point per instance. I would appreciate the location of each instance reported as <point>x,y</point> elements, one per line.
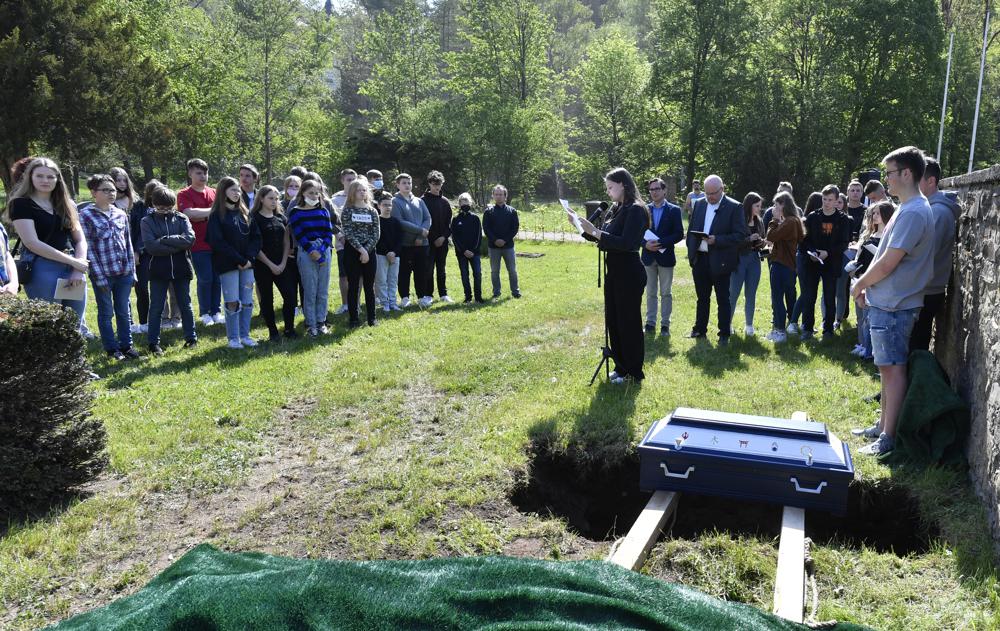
<point>142,287</point>
<point>413,258</point>
<point>704,282</point>
<point>437,261</point>
<point>624,284</point>
<point>360,274</point>
<point>287,283</point>
<point>920,339</point>
<point>157,302</point>
<point>810,275</point>
<point>476,264</point>
<point>782,295</point>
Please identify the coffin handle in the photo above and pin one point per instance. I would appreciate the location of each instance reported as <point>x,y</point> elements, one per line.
<point>683,476</point>
<point>815,491</point>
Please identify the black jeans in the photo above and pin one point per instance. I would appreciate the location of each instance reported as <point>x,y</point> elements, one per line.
<point>810,275</point>
<point>287,283</point>
<point>142,287</point>
<point>413,258</point>
<point>437,261</point>
<point>704,282</point>
<point>476,263</point>
<point>362,274</point>
<point>624,284</point>
<point>920,339</point>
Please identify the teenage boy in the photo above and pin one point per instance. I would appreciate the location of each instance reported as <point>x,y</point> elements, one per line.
<point>195,202</point>
<point>658,256</point>
<point>820,257</point>
<point>440,210</point>
<point>893,287</point>
<point>375,179</point>
<point>112,265</point>
<point>248,183</point>
<point>467,235</point>
<point>874,192</point>
<point>855,210</point>
<point>500,223</point>
<point>415,220</point>
<point>945,211</point>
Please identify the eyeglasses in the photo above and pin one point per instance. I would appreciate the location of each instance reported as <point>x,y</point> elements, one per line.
<point>654,188</point>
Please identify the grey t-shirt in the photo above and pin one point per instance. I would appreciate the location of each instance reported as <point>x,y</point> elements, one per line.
<point>911,229</point>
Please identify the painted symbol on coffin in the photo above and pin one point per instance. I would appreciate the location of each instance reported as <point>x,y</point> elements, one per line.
<point>774,446</point>
<point>715,440</point>
<point>744,443</point>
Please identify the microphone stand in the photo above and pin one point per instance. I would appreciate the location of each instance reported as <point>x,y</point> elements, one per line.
<point>598,219</point>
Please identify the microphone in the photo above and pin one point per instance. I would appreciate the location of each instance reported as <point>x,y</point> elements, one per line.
<point>599,214</point>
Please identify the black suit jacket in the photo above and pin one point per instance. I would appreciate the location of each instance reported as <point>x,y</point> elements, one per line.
<point>729,229</point>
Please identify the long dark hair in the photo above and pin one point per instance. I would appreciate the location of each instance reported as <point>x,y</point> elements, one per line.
<point>813,203</point>
<point>219,205</point>
<point>748,202</point>
<point>620,175</point>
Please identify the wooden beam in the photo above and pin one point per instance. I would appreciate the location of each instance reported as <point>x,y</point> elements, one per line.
<point>635,547</point>
<point>790,583</point>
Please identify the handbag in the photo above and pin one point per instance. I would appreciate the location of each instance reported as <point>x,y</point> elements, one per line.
<point>25,260</point>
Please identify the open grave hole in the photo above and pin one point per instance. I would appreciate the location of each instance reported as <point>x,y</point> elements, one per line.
<point>602,503</point>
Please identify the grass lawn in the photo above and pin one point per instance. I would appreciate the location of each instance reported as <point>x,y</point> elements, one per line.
<point>472,431</point>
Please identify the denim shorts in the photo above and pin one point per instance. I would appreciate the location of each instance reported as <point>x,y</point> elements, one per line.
<point>890,332</point>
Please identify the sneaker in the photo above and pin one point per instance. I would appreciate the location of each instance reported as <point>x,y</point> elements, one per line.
<point>155,349</point>
<point>828,335</point>
<point>291,335</point>
<point>323,329</point>
<point>649,329</point>
<point>883,445</point>
<point>467,300</point>
<point>143,328</point>
<point>190,343</point>
<point>792,328</point>
<point>664,331</point>
<point>396,308</point>
<point>425,302</point>
<point>312,332</point>
<point>805,336</point>
<point>87,335</point>
<point>614,375</point>
<point>116,355</point>
<point>373,323</point>
<point>836,325</point>
<point>749,331</point>
<point>516,294</point>
<point>871,433</point>
<point>405,302</point>
<point>446,298</point>
<point>207,320</point>
<point>777,336</point>
<point>298,312</point>
<point>131,353</point>
<point>219,318</point>
<point>341,310</point>
<point>481,300</point>
<point>724,340</point>
<point>235,344</point>
<point>617,380</point>
<point>248,341</point>
<point>135,329</point>
<point>386,309</point>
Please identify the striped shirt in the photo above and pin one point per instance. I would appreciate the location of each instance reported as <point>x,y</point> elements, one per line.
<point>109,243</point>
<point>312,229</point>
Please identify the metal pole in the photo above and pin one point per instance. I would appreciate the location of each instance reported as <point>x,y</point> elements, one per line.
<point>979,93</point>
<point>944,102</point>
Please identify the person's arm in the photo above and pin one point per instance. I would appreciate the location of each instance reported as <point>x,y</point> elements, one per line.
<point>128,244</point>
<point>675,225</point>
<point>406,226</point>
<point>880,269</point>
<point>425,217</point>
<point>807,242</point>
<point>456,238</point>
<point>515,226</point>
<point>446,230</point>
<point>738,231</point>
<point>153,245</point>
<point>350,230</point>
<point>217,239</point>
<point>376,230</point>
<point>25,229</point>
<point>263,257</point>
<point>197,214</point>
<point>630,239</point>
<point>255,242</point>
<point>12,280</point>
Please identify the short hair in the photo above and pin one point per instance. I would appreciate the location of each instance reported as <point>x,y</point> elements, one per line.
<point>693,182</point>
<point>435,177</point>
<point>831,189</point>
<point>854,182</point>
<point>197,163</point>
<point>384,196</point>
<point>251,168</point>
<point>933,169</point>
<point>348,172</point>
<point>147,191</point>
<point>813,202</point>
<point>373,173</point>
<point>299,171</point>
<point>163,196</point>
<point>94,181</point>
<point>502,188</point>
<point>467,197</point>
<point>403,176</point>
<point>656,180</point>
<point>909,158</point>
<point>785,186</point>
<point>872,186</point>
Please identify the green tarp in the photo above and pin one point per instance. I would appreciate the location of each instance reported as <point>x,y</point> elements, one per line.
<point>209,589</point>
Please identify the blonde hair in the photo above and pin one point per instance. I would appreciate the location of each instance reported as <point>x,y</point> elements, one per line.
<point>352,191</point>
<point>467,197</point>
<point>62,202</point>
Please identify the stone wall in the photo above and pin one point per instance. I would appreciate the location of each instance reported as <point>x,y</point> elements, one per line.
<point>968,342</point>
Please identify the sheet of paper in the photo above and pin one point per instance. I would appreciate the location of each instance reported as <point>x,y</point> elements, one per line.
<point>565,205</point>
<point>871,247</point>
<point>573,217</point>
<point>78,292</point>
<point>651,236</point>
<point>815,257</point>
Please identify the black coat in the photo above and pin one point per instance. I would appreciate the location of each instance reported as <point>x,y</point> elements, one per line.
<point>729,229</point>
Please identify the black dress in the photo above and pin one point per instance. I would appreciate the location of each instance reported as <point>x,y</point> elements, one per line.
<point>624,283</point>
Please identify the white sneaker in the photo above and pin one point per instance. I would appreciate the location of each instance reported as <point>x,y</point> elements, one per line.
<point>219,318</point>
<point>396,308</point>
<point>235,344</point>
<point>341,310</point>
<point>135,329</point>
<point>405,302</point>
<point>858,350</point>
<point>792,329</point>
<point>298,312</point>
<point>246,341</point>
<point>777,336</point>
<point>749,331</point>
<point>143,328</point>
<point>446,298</point>
<point>425,302</point>
<point>207,320</point>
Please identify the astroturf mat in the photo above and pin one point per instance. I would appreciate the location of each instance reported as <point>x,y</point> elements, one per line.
<point>210,589</point>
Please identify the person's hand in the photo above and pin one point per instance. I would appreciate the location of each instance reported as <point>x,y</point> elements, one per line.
<point>246,266</point>
<point>860,298</point>
<point>499,243</point>
<point>280,269</point>
<point>468,254</point>
<point>80,265</point>
<point>439,242</point>
<point>10,288</point>
<point>364,257</point>
<point>710,240</point>
<point>653,246</point>
<point>418,241</point>
<point>391,257</point>
<point>822,254</point>
<point>314,255</point>
<point>76,279</point>
<point>588,228</point>
<point>755,237</point>
<point>424,232</point>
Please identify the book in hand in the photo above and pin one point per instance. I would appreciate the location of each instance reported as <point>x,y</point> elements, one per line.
<point>814,256</point>
<point>65,291</point>
<point>698,234</point>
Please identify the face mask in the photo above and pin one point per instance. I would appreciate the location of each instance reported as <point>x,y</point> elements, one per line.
<point>292,192</point>
<point>377,184</point>
<point>311,201</point>
<point>466,207</point>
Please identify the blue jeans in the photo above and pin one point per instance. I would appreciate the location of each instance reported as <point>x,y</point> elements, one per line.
<point>209,285</point>
<point>476,286</point>
<point>782,295</point>
<point>315,287</point>
<point>891,334</point>
<point>386,279</point>
<point>158,301</point>
<point>237,287</point>
<point>747,273</point>
<point>46,273</point>
<point>113,302</point>
<point>508,256</point>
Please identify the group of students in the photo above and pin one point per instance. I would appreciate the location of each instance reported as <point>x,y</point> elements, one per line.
<point>237,239</point>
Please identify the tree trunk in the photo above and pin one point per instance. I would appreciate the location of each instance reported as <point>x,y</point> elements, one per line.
<point>146,161</point>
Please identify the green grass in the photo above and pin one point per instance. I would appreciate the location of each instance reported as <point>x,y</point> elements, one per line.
<point>406,441</point>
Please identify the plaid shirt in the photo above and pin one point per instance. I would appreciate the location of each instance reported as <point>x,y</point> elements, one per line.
<point>109,244</point>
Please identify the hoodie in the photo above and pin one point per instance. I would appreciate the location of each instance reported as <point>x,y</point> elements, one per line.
<point>945,209</point>
<point>440,209</point>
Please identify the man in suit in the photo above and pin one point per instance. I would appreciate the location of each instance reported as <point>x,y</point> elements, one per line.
<point>660,264</point>
<point>714,257</point>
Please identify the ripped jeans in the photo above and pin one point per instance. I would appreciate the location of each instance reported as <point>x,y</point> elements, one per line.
<point>237,286</point>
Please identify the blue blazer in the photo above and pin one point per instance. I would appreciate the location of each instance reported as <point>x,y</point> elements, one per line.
<point>671,232</point>
<point>729,229</point>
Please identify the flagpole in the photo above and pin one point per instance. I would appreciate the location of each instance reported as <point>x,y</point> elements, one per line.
<point>944,102</point>
<point>979,93</point>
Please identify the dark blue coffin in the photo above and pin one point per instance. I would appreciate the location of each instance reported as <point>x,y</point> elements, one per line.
<point>794,463</point>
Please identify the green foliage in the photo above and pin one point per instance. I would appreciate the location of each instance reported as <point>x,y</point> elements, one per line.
<point>48,442</point>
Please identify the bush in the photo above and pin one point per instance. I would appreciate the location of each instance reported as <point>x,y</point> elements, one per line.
<point>49,444</point>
